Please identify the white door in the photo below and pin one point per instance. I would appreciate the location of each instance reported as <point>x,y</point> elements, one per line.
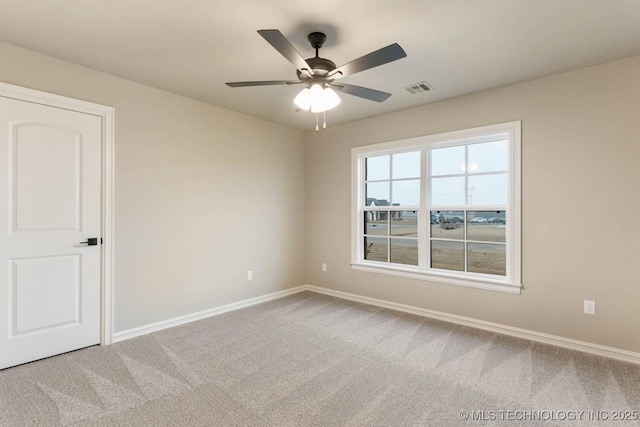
<point>50,195</point>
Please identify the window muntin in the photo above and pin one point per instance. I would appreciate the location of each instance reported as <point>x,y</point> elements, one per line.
<point>481,180</point>
<point>447,191</point>
<point>443,206</point>
<point>488,190</point>
<point>486,258</point>
<point>483,234</point>
<point>469,174</point>
<point>391,236</point>
<point>377,168</point>
<point>447,255</point>
<point>447,160</point>
<point>392,183</point>
<point>405,192</point>
<point>490,156</point>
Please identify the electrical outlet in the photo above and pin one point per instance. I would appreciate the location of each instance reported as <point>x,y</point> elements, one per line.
<point>324,267</point>
<point>250,275</point>
<point>589,307</point>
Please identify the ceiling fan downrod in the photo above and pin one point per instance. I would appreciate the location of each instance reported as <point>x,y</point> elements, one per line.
<point>317,40</point>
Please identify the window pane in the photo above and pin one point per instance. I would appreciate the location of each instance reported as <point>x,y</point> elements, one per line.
<point>447,255</point>
<point>376,249</point>
<point>447,191</point>
<point>406,193</point>
<point>489,156</point>
<point>447,161</point>
<point>376,222</point>
<point>404,223</point>
<point>377,168</point>
<point>406,165</point>
<point>447,224</point>
<point>486,258</point>
<point>377,194</point>
<point>489,189</point>
<point>486,226</point>
<point>404,251</point>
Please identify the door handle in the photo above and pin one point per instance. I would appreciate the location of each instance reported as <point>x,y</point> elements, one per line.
<point>91,241</point>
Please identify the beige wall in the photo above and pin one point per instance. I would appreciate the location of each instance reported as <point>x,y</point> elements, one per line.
<point>202,194</point>
<point>580,200</point>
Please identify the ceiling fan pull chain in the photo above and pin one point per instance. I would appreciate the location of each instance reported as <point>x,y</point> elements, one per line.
<point>317,128</point>
<point>324,120</point>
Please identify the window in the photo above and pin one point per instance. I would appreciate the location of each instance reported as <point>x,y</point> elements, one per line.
<point>444,208</point>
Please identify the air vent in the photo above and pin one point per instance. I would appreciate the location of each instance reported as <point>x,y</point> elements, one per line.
<point>417,88</point>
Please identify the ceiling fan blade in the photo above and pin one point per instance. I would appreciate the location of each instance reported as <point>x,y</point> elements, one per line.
<point>382,56</point>
<point>286,49</point>
<point>264,83</point>
<point>362,92</point>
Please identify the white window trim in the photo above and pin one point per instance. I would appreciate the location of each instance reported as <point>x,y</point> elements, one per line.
<point>512,282</point>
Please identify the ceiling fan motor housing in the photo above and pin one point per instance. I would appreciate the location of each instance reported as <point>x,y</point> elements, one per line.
<point>320,66</point>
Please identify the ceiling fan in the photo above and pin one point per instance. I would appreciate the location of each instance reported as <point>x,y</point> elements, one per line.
<point>320,74</point>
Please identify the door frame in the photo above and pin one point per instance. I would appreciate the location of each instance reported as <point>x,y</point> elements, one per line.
<point>107,115</point>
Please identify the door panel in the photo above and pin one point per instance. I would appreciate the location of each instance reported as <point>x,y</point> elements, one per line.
<point>46,177</point>
<point>45,293</point>
<point>50,198</point>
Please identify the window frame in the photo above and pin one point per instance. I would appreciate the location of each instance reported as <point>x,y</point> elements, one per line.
<point>511,283</point>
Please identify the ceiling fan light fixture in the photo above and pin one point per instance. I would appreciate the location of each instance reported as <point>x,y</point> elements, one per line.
<point>317,99</point>
<point>302,100</point>
<point>331,98</point>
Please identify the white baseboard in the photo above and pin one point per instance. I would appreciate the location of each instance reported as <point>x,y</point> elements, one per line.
<point>586,347</point>
<point>181,320</point>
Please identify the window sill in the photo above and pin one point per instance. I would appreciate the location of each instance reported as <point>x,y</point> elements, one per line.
<point>478,283</point>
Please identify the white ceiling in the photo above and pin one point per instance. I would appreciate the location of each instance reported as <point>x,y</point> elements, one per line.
<point>192,47</point>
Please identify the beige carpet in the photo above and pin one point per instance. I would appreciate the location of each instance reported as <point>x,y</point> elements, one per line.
<point>313,360</point>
